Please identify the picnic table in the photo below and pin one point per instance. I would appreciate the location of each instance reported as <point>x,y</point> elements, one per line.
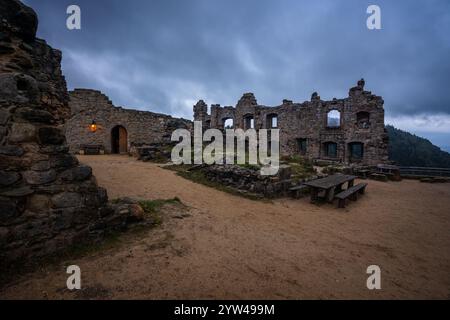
<point>331,185</point>
<point>91,149</point>
<point>392,172</point>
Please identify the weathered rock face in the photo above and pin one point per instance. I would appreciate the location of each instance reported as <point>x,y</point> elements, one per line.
<point>137,128</point>
<point>357,136</point>
<point>48,200</point>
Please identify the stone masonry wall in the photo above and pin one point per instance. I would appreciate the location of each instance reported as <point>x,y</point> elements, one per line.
<point>249,180</point>
<point>142,127</point>
<point>361,122</point>
<point>48,201</point>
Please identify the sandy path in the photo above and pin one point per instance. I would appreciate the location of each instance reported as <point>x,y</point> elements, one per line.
<point>234,248</point>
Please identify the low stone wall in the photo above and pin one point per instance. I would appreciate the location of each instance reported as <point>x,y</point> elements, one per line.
<point>157,152</point>
<point>250,180</point>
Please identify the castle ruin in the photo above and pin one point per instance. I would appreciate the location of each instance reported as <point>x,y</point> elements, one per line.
<point>349,130</point>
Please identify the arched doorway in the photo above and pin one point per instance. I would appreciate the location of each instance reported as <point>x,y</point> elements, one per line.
<point>119,140</point>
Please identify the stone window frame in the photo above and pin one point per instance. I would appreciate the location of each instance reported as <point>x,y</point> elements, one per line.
<point>245,118</point>
<point>269,120</point>
<point>351,158</point>
<point>225,119</point>
<point>359,120</point>
<point>325,150</point>
<point>327,123</point>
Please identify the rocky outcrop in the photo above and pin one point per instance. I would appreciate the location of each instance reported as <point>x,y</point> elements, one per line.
<point>48,201</point>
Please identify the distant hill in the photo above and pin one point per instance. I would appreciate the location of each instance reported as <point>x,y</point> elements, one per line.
<point>407,149</point>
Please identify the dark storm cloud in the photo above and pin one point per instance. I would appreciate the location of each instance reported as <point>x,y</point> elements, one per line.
<point>165,55</point>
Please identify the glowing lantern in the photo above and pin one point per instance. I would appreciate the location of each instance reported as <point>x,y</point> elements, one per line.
<point>93,126</point>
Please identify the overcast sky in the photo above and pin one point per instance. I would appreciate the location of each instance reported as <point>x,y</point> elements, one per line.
<point>164,55</point>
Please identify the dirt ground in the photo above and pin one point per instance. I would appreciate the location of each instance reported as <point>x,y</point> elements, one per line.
<point>234,248</point>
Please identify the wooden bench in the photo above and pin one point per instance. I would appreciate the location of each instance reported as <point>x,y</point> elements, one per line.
<point>91,149</point>
<point>297,191</point>
<point>351,193</point>
<point>362,173</point>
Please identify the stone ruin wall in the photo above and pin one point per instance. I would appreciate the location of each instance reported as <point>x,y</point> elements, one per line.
<point>143,127</point>
<point>308,120</point>
<point>249,181</point>
<point>48,201</point>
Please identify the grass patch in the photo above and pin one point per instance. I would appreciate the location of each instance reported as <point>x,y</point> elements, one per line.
<point>152,207</point>
<point>301,168</point>
<point>110,240</point>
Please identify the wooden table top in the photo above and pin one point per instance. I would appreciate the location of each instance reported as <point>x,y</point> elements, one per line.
<point>330,181</point>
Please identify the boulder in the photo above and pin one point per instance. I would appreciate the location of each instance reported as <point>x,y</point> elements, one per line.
<point>8,178</point>
<point>22,132</point>
<point>16,193</point>
<point>66,200</point>
<point>39,203</point>
<point>35,115</point>
<point>39,177</point>
<point>11,150</point>
<point>79,173</point>
<point>51,135</point>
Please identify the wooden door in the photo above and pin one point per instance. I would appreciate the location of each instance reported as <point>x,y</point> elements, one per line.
<point>123,140</point>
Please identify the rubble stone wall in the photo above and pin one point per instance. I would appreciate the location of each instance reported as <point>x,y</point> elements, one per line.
<point>250,180</point>
<point>48,201</point>
<point>361,122</point>
<point>142,127</point>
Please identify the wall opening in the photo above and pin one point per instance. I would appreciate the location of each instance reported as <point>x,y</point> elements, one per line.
<point>333,119</point>
<point>249,122</point>
<point>228,123</point>
<point>330,149</point>
<point>272,121</point>
<point>356,151</point>
<point>302,146</point>
<point>119,140</point>
<point>363,119</point>
<point>22,85</point>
